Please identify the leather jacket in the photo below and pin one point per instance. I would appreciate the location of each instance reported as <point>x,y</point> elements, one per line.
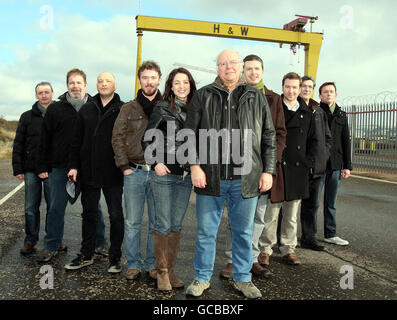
<point>128,131</point>
<point>210,106</point>
<point>164,118</point>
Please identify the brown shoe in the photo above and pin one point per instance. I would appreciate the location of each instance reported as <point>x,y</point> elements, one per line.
<point>226,272</point>
<point>263,259</point>
<point>63,248</point>
<point>153,274</point>
<point>132,274</point>
<point>291,258</point>
<point>258,270</point>
<point>27,248</point>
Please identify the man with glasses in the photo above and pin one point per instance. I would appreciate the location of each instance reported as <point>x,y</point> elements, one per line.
<point>253,73</point>
<point>229,104</point>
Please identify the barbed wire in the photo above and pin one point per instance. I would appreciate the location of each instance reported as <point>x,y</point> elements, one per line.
<point>376,98</point>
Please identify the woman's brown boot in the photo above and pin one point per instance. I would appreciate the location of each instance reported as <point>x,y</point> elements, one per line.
<point>160,244</point>
<point>173,249</point>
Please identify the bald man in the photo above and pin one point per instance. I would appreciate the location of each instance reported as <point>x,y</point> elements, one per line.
<point>92,159</point>
<point>229,105</point>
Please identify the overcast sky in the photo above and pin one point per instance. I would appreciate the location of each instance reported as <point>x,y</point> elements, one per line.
<point>42,40</point>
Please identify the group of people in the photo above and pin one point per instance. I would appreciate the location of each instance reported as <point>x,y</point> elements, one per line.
<point>293,146</point>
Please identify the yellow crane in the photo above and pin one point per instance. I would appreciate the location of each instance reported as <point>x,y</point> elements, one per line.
<point>310,40</point>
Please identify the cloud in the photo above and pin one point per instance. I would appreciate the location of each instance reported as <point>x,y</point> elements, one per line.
<point>359,59</point>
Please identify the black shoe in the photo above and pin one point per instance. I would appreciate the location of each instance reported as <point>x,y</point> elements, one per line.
<point>79,262</point>
<point>102,251</point>
<point>312,246</point>
<point>114,267</point>
<point>46,255</point>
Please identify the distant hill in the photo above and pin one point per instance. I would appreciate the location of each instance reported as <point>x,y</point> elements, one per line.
<point>7,135</point>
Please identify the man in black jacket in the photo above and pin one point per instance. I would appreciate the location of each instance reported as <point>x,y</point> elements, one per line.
<point>310,205</point>
<point>339,163</point>
<point>92,157</point>
<point>297,160</point>
<point>52,161</point>
<point>24,156</point>
<point>230,105</point>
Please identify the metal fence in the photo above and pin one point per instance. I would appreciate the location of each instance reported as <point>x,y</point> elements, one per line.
<point>373,131</point>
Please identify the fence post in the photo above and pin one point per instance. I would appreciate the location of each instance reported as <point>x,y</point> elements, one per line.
<point>353,132</point>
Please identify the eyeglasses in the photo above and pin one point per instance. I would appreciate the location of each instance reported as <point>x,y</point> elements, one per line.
<point>230,63</point>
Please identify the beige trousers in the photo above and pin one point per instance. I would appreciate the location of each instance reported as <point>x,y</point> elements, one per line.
<point>288,227</point>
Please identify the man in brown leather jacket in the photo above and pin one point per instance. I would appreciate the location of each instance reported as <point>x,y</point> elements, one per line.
<point>128,131</point>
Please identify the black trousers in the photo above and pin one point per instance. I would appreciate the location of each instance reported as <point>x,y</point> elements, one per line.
<point>309,209</point>
<point>89,199</point>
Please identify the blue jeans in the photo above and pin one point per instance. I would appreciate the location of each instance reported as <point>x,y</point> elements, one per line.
<point>330,182</point>
<point>241,213</point>
<point>33,189</point>
<point>171,195</point>
<point>55,219</point>
<point>137,191</point>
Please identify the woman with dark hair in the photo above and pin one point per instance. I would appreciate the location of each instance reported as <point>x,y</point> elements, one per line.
<point>171,185</point>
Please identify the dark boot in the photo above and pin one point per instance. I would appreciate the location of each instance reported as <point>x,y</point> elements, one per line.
<point>160,244</point>
<point>173,249</point>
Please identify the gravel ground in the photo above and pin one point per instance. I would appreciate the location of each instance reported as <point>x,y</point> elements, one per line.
<point>12,217</point>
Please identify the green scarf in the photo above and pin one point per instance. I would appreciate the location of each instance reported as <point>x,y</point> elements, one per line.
<point>260,86</point>
<point>332,108</point>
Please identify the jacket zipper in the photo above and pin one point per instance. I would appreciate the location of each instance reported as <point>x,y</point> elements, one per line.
<point>229,125</point>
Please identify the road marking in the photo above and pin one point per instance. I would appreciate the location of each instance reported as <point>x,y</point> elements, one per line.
<point>8,196</point>
<point>373,179</point>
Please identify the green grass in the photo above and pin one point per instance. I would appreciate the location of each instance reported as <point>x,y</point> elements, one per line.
<point>7,135</point>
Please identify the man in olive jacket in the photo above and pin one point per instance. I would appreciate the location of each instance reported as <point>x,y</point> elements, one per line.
<point>24,157</point>
<point>339,164</point>
<point>229,104</point>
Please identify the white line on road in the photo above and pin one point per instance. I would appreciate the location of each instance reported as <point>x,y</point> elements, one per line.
<point>8,196</point>
<point>373,179</point>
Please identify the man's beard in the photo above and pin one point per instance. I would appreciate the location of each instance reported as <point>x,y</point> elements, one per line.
<point>149,91</point>
<point>76,96</point>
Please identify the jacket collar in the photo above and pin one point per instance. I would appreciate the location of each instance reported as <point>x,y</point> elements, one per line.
<point>302,104</point>
<point>97,100</point>
<point>63,99</point>
<point>219,83</point>
<point>325,107</point>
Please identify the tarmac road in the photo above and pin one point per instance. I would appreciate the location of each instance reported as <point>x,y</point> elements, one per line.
<point>364,270</point>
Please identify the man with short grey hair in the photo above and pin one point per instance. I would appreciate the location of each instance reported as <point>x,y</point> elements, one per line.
<point>24,156</point>
<point>229,104</point>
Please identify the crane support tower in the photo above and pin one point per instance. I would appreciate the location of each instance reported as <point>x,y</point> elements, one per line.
<point>310,40</point>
